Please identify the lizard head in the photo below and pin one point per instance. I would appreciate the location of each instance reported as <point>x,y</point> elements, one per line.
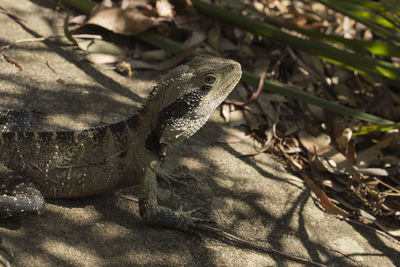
<point>187,95</point>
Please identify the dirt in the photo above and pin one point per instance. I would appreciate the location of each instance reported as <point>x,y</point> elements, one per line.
<point>255,198</point>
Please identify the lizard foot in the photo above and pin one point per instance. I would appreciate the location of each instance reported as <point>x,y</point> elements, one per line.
<point>157,215</point>
<point>168,218</point>
<point>189,213</point>
<point>170,178</point>
<point>175,177</point>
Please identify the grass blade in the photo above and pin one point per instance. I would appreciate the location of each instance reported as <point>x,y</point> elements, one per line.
<point>269,85</point>
<point>365,16</point>
<point>175,47</point>
<point>360,63</point>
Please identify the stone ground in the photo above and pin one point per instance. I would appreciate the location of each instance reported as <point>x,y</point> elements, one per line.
<point>253,197</point>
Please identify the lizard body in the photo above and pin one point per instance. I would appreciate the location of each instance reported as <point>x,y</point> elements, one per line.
<point>73,164</point>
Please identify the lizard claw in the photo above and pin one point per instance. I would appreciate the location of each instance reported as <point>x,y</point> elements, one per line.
<point>168,218</point>
<point>195,219</point>
<point>199,223</point>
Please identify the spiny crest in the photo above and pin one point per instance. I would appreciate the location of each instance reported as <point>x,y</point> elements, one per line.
<point>157,89</point>
<point>152,95</point>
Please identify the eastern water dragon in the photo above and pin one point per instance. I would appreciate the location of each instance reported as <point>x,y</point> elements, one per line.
<point>74,164</point>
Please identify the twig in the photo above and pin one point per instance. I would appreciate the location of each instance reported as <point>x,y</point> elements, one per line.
<point>88,36</point>
<point>28,40</point>
<point>231,237</point>
<point>389,237</point>
<point>253,244</point>
<point>50,67</point>
<point>253,97</point>
<point>135,199</point>
<point>340,252</point>
<point>387,185</point>
<point>12,61</point>
<point>39,39</point>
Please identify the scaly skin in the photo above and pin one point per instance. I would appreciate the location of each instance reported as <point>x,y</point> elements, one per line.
<point>74,164</point>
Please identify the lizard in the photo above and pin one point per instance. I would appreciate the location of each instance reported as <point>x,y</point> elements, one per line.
<point>76,164</point>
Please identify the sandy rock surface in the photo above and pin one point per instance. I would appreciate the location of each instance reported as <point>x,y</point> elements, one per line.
<point>255,197</point>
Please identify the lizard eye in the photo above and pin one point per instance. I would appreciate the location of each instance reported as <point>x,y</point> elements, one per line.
<point>209,79</point>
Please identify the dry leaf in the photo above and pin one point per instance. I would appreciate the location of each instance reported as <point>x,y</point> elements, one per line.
<point>252,120</point>
<point>227,45</point>
<point>329,158</point>
<point>319,144</point>
<point>326,180</point>
<point>292,145</point>
<point>366,157</point>
<point>101,58</point>
<point>214,36</point>
<point>325,202</point>
<point>313,63</point>
<point>165,9</point>
<point>99,46</point>
<point>390,230</point>
<point>264,103</point>
<point>124,68</point>
<point>261,65</point>
<point>122,21</point>
<point>236,118</point>
<point>318,112</point>
<point>319,9</point>
<point>78,19</point>
<point>192,23</point>
<point>343,136</point>
<point>299,21</point>
<point>156,54</point>
<point>274,97</point>
<point>343,140</point>
<point>225,110</point>
<point>166,64</point>
<point>292,127</point>
<point>195,38</point>
<point>345,95</point>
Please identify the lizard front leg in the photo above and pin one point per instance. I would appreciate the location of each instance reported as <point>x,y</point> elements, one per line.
<point>154,214</point>
<point>19,197</point>
<point>15,120</point>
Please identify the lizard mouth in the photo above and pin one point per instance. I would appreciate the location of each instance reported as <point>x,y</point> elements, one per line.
<point>235,68</point>
<point>238,69</point>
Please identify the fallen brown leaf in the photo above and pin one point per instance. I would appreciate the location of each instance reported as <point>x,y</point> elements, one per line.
<point>366,157</point>
<point>166,64</point>
<point>101,58</point>
<point>328,157</point>
<point>122,21</point>
<point>165,9</point>
<point>325,202</point>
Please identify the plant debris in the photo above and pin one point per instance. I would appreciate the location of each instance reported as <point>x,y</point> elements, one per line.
<point>352,167</point>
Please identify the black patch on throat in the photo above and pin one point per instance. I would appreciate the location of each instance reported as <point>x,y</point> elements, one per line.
<point>169,115</point>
